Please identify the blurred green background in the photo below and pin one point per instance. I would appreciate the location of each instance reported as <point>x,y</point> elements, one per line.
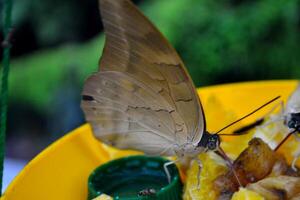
<point>57,44</point>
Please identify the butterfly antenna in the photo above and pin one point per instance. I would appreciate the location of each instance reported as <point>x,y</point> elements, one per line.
<point>229,163</point>
<point>254,111</point>
<point>286,137</point>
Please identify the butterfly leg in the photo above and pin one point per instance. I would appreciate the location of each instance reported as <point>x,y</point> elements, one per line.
<point>296,157</point>
<point>167,171</point>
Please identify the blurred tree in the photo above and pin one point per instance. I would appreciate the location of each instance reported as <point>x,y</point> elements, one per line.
<point>55,21</point>
<point>44,24</point>
<point>233,40</point>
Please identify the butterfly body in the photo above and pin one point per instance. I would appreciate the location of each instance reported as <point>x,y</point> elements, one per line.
<point>189,150</point>
<point>292,111</point>
<point>292,120</point>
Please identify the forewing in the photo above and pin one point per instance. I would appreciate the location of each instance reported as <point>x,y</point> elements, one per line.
<point>153,87</point>
<point>136,47</point>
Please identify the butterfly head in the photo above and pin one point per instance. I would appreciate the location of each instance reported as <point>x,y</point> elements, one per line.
<point>213,142</point>
<point>210,141</point>
<point>293,121</point>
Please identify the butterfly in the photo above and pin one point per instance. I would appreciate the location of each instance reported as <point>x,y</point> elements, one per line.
<point>142,97</point>
<point>292,111</point>
<point>285,123</point>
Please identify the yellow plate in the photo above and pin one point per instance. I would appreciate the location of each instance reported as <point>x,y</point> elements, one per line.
<point>61,171</point>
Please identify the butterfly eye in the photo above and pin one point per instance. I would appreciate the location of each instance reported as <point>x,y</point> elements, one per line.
<point>211,145</point>
<point>292,123</point>
<point>212,142</point>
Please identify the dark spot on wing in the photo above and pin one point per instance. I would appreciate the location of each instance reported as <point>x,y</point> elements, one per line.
<point>87,98</point>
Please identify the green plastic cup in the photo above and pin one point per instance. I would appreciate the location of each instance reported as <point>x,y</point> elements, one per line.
<point>135,177</point>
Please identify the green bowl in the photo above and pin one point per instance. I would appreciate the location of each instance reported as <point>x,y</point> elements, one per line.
<point>128,177</point>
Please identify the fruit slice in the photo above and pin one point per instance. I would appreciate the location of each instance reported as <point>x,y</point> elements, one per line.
<point>103,197</point>
<point>244,194</point>
<point>213,166</point>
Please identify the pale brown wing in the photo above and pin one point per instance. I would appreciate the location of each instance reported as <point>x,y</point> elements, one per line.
<point>158,90</point>
<point>116,105</point>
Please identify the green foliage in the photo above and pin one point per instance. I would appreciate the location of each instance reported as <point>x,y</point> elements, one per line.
<point>55,21</point>
<point>219,40</point>
<point>227,41</point>
<point>35,78</point>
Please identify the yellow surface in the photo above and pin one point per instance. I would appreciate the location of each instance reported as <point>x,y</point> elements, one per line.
<point>61,171</point>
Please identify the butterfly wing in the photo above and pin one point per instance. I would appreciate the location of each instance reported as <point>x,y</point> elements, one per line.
<point>142,98</point>
<point>293,103</point>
